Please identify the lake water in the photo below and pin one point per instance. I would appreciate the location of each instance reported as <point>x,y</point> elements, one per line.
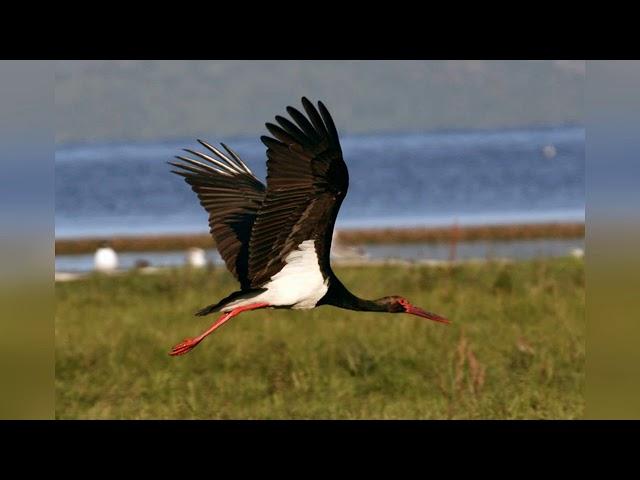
<point>418,179</point>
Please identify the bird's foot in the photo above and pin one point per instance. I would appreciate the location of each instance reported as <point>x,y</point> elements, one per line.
<point>183,347</point>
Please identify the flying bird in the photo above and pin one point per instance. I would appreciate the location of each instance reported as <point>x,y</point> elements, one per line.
<point>276,240</point>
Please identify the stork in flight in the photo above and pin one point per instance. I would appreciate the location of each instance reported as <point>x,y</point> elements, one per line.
<point>276,240</point>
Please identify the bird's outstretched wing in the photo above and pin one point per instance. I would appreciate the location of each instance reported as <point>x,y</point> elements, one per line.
<point>307,180</point>
<point>232,196</point>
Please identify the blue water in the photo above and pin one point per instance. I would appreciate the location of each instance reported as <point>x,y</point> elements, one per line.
<point>395,180</point>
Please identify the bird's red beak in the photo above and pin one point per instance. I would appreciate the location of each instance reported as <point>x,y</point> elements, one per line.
<point>424,314</point>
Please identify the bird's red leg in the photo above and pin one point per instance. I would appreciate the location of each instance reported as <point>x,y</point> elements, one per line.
<point>188,344</point>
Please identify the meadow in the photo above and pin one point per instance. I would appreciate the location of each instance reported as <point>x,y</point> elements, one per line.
<point>515,349</point>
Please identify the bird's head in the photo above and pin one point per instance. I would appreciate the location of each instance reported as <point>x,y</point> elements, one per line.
<point>398,304</point>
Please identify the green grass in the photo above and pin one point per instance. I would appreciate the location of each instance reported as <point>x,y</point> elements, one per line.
<point>516,348</point>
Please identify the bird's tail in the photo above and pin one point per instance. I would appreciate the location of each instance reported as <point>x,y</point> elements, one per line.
<point>216,307</point>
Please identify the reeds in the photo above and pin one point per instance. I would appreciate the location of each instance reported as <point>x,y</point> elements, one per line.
<point>450,234</point>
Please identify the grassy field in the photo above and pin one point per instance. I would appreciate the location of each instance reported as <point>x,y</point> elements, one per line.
<point>516,348</point>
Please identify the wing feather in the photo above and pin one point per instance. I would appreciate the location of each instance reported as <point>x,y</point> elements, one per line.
<point>307,181</point>
<point>232,196</point>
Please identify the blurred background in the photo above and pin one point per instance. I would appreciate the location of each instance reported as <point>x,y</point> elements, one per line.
<point>438,145</point>
<point>467,196</point>
<point>27,152</point>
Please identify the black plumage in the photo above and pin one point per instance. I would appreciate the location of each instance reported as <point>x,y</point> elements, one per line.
<point>254,227</point>
<point>232,196</point>
<point>276,240</point>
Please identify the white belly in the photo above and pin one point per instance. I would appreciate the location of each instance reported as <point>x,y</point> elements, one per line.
<point>299,284</point>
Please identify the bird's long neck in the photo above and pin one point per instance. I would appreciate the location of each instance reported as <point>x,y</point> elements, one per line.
<point>339,296</point>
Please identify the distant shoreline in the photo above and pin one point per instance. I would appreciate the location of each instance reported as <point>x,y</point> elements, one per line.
<point>353,236</point>
<point>64,148</point>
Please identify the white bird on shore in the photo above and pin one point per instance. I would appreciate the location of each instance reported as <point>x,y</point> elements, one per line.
<point>196,257</point>
<point>105,258</point>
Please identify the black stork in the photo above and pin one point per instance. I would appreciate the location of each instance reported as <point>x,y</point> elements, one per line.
<point>276,240</point>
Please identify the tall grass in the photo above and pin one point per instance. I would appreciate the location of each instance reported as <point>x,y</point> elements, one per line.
<point>515,350</point>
